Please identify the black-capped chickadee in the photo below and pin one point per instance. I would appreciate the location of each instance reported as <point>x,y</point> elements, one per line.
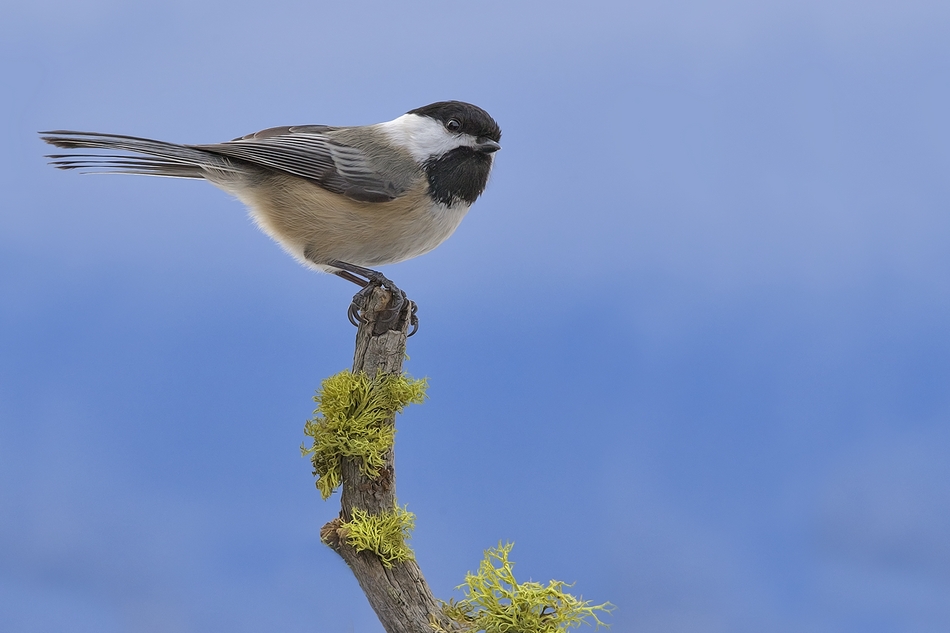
<point>339,199</point>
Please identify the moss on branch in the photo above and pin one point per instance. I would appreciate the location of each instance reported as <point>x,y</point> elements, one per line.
<point>496,603</point>
<point>352,420</point>
<point>383,534</point>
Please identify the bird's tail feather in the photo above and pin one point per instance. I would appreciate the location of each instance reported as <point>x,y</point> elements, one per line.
<point>141,156</point>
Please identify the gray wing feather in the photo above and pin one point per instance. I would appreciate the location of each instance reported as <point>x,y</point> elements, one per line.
<point>151,158</point>
<point>312,152</point>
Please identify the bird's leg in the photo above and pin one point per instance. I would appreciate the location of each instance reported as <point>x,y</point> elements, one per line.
<point>370,279</point>
<point>353,312</point>
<point>359,281</point>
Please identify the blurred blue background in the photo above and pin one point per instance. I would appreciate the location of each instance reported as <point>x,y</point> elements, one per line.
<point>690,350</point>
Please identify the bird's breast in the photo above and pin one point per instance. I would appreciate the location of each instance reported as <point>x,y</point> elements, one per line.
<point>302,216</point>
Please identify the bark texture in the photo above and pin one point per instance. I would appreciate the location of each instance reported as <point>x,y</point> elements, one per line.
<point>400,596</point>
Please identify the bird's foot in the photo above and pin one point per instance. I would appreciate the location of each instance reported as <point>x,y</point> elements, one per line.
<point>389,318</point>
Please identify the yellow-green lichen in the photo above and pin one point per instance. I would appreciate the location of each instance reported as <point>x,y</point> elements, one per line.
<point>496,603</point>
<point>383,534</point>
<point>352,421</point>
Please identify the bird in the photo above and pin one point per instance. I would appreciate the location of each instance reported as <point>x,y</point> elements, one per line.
<point>340,199</point>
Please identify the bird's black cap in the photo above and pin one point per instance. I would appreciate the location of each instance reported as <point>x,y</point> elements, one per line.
<point>474,120</point>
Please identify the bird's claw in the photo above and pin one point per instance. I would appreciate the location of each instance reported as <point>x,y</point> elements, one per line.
<point>413,318</point>
<point>354,315</point>
<point>390,316</point>
<point>398,301</point>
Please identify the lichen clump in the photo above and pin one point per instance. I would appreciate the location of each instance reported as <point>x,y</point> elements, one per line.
<point>383,534</point>
<point>496,603</point>
<point>352,420</point>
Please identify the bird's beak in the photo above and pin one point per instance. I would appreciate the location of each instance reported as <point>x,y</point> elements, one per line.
<point>486,145</point>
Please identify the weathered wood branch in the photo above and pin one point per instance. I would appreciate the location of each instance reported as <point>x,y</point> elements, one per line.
<point>399,595</point>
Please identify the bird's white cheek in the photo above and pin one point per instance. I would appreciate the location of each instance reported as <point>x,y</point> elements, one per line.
<point>421,136</point>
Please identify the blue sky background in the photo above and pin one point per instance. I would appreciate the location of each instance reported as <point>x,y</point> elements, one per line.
<point>690,350</point>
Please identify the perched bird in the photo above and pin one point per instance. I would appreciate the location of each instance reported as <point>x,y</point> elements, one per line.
<point>339,199</point>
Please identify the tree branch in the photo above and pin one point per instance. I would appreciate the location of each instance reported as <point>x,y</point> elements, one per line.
<point>399,595</point>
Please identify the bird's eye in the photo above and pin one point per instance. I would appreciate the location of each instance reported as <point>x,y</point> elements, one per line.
<point>453,125</point>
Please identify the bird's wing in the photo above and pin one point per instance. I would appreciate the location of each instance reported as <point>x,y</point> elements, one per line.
<point>316,153</point>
